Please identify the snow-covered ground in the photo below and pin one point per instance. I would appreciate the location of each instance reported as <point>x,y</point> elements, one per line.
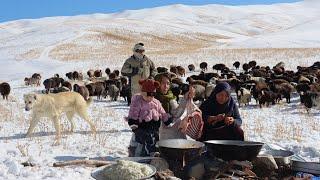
<point>289,126</point>
<point>176,34</point>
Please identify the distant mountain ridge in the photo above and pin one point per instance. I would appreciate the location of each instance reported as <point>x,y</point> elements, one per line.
<point>165,30</point>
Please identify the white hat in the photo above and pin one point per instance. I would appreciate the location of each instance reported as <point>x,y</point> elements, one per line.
<point>138,46</point>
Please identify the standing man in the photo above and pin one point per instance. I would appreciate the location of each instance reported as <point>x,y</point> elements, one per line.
<point>137,67</point>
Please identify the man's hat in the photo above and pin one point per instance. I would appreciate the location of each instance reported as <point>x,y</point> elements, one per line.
<point>138,46</point>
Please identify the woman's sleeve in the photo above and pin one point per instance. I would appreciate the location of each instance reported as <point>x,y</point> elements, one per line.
<point>164,116</point>
<point>205,116</point>
<point>177,109</point>
<point>236,116</point>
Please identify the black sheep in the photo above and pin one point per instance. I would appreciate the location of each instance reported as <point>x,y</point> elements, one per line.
<point>5,90</point>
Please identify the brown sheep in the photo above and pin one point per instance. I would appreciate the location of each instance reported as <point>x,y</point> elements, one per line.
<point>162,69</point>
<point>267,97</point>
<point>34,80</point>
<point>90,73</point>
<point>67,85</point>
<point>174,69</point>
<point>252,64</point>
<point>38,77</point>
<point>279,81</point>
<point>181,71</point>
<point>97,73</point>
<point>69,75</point>
<point>194,82</point>
<point>27,81</point>
<point>31,81</point>
<point>52,83</point>
<point>112,76</point>
<point>278,70</point>
<point>176,81</point>
<point>203,66</point>
<point>80,76</point>
<point>284,89</point>
<point>245,67</point>
<point>280,65</point>
<point>206,76</point>
<point>219,67</point>
<point>5,90</point>
<point>117,72</point>
<point>75,75</point>
<point>96,89</point>
<point>191,67</point>
<point>315,87</point>
<point>81,90</point>
<point>258,88</point>
<point>172,75</point>
<point>60,89</point>
<point>123,80</point>
<point>113,88</point>
<point>200,91</point>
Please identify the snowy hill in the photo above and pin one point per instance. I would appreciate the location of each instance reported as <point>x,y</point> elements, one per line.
<point>191,33</point>
<point>209,26</point>
<point>176,34</point>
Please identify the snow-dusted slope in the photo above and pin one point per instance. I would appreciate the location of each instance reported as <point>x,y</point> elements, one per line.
<point>213,26</point>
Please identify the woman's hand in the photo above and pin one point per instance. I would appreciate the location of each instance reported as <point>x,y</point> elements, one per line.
<point>191,93</point>
<point>183,125</point>
<point>215,119</point>
<point>228,120</point>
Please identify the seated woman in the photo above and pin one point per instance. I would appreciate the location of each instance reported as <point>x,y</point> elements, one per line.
<point>171,106</point>
<point>221,116</point>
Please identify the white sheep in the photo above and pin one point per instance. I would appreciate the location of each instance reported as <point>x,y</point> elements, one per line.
<point>244,96</point>
<point>303,79</point>
<point>257,79</point>
<point>209,89</point>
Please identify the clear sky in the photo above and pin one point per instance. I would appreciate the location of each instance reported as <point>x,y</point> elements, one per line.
<point>30,9</point>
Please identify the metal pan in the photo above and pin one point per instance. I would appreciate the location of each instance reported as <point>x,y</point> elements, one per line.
<point>282,157</point>
<point>307,167</point>
<point>180,149</point>
<point>233,150</point>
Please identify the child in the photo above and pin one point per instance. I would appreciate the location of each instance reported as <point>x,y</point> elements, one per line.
<point>144,118</point>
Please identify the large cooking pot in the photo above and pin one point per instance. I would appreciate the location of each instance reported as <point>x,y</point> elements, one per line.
<point>282,157</point>
<point>181,150</point>
<point>308,167</point>
<point>233,150</point>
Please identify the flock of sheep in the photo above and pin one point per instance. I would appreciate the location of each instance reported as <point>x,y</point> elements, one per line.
<point>267,85</point>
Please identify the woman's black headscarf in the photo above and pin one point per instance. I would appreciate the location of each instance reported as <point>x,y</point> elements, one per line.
<point>211,107</point>
<point>226,108</point>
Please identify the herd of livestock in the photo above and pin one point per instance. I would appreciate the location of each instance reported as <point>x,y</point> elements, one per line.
<point>267,85</point>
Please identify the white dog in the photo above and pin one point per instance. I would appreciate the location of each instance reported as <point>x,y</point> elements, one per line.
<point>53,106</point>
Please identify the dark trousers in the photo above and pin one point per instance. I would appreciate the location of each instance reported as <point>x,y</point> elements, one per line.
<point>147,134</point>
